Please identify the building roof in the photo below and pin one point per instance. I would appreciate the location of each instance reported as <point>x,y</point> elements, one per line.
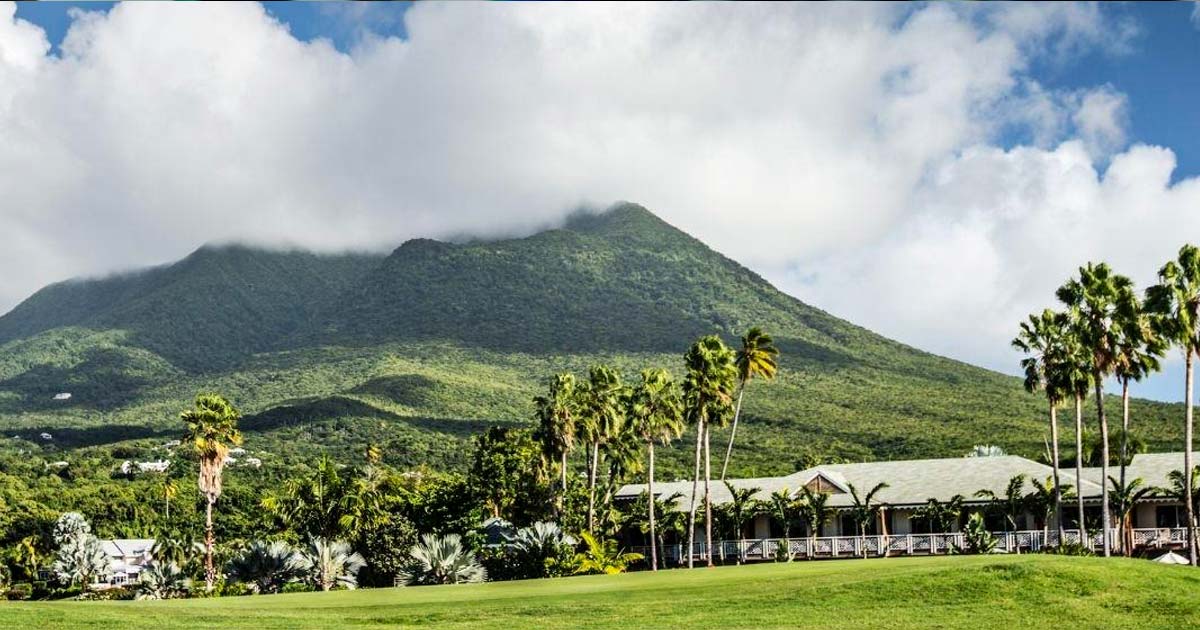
<point>910,482</point>
<point>127,547</point>
<point>1153,468</point>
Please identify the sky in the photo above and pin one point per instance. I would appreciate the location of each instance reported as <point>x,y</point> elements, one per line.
<point>932,172</point>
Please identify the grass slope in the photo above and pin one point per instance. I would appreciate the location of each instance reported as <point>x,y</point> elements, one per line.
<point>1032,591</point>
<point>420,349</point>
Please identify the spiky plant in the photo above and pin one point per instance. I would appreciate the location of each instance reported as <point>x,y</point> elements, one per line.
<point>264,567</point>
<point>162,580</point>
<point>442,560</point>
<point>329,563</point>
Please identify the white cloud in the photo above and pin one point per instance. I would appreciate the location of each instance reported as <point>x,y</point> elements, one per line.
<point>859,133</point>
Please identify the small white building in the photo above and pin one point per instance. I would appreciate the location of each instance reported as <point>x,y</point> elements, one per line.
<point>252,462</point>
<point>62,396</point>
<point>47,437</point>
<point>159,466</point>
<point>127,557</point>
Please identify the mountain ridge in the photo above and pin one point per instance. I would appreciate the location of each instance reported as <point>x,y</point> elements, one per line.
<point>416,347</point>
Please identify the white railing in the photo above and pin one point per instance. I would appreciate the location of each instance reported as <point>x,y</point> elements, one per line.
<point>906,544</point>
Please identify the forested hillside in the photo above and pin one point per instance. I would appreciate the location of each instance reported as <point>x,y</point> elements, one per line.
<point>422,348</point>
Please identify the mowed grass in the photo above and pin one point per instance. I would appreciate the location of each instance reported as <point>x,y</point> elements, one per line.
<point>1008,592</point>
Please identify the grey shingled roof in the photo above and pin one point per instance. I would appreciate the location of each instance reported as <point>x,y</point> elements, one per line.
<point>910,482</point>
<point>1153,468</point>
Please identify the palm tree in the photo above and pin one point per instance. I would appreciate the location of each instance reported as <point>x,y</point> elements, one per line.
<point>603,557</point>
<point>1011,504</point>
<point>864,509</point>
<point>1138,350</point>
<point>162,580</point>
<point>741,508</point>
<point>757,357</point>
<point>1072,375</point>
<point>656,412</point>
<point>1098,299</point>
<point>782,506</point>
<point>212,431</point>
<point>264,567</point>
<point>708,399</point>
<point>942,516</point>
<point>601,417</point>
<point>1043,338</point>
<point>556,414</point>
<point>1045,501</point>
<point>1125,497</point>
<point>171,548</point>
<point>329,563</point>
<point>1175,307</point>
<point>169,490</point>
<point>442,560</point>
<point>813,507</point>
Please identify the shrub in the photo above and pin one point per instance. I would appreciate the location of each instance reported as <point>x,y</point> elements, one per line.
<point>1069,549</point>
<point>19,591</point>
<point>603,556</point>
<point>117,593</point>
<point>542,550</point>
<point>442,560</point>
<point>297,587</point>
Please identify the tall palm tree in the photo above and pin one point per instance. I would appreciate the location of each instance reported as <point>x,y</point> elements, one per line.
<point>708,399</point>
<point>941,515</point>
<point>1137,355</point>
<point>169,490</point>
<point>1125,496</point>
<point>1074,376</point>
<point>601,418</point>
<point>758,357</point>
<point>656,415</point>
<point>864,508</point>
<point>1100,300</point>
<point>212,431</point>
<point>1175,307</point>
<point>556,414</point>
<point>1043,339</point>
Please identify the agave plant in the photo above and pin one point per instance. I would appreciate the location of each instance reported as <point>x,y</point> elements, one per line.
<point>603,556</point>
<point>264,567</point>
<point>329,563</point>
<point>162,580</point>
<point>442,560</point>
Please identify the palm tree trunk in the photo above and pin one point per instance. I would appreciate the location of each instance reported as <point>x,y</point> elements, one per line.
<point>1079,467</point>
<point>210,573</point>
<point>1187,458</point>
<point>595,463</point>
<point>650,491</point>
<point>562,493</point>
<point>737,412</point>
<point>695,483</point>
<point>1105,517</point>
<point>708,494</point>
<point>1058,511</point>
<point>1125,548</point>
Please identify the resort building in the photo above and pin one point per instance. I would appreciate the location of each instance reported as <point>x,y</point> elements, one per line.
<point>127,557</point>
<point>898,527</point>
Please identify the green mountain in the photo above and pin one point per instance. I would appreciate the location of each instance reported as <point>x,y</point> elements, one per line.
<point>420,349</point>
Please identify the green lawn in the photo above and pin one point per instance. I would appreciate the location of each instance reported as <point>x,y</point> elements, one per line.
<point>953,592</point>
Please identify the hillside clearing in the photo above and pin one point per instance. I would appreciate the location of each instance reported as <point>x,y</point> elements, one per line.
<point>1032,591</point>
